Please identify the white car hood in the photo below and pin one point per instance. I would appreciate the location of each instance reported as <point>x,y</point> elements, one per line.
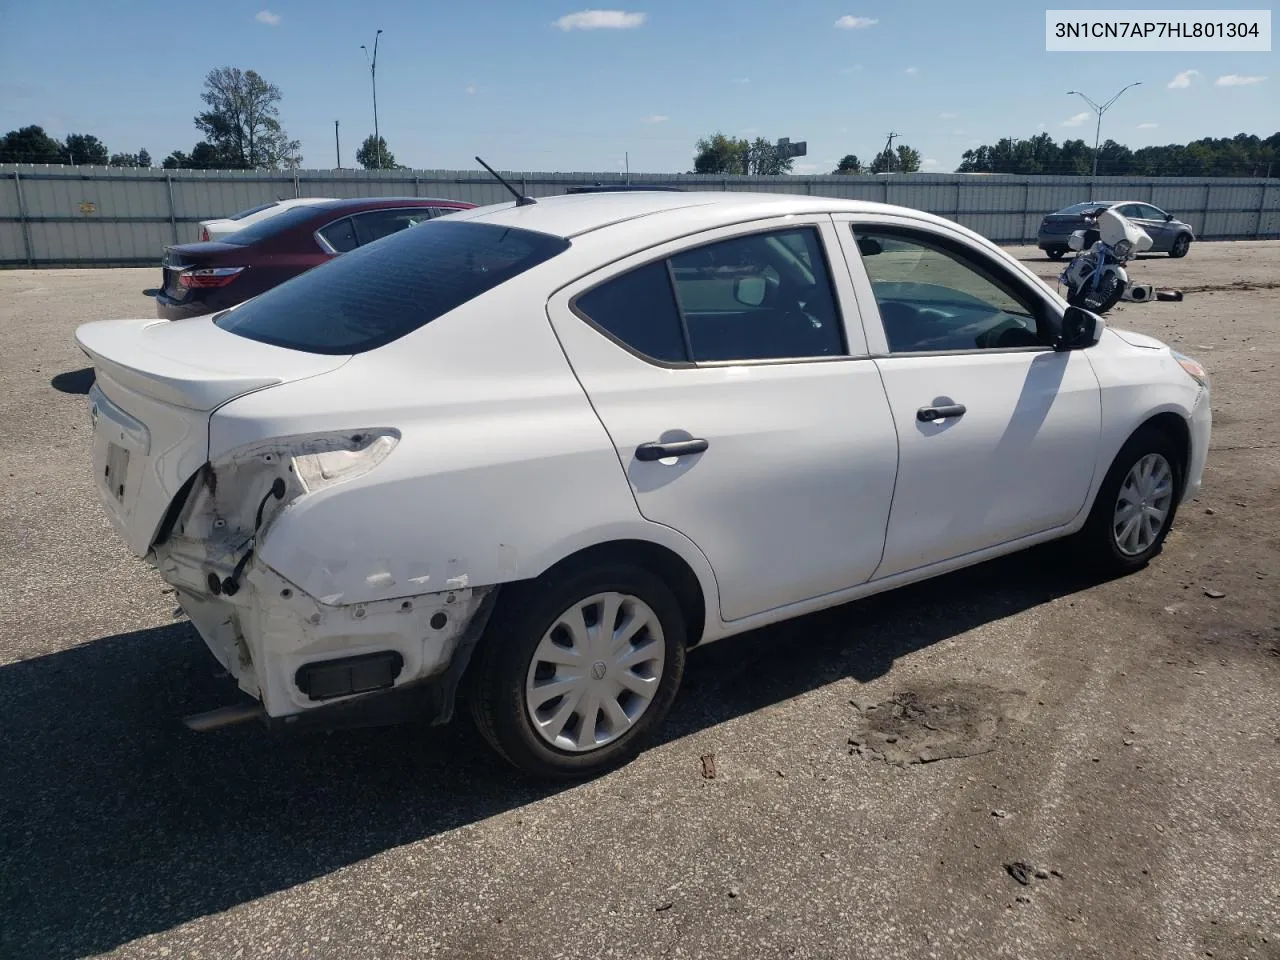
<point>1139,339</point>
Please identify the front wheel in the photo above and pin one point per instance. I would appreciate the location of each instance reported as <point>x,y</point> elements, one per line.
<point>1135,506</point>
<point>1055,253</point>
<point>575,671</point>
<point>1099,300</point>
<point>1180,246</point>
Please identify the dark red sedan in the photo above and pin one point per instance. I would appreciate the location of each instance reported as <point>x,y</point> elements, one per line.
<point>203,278</point>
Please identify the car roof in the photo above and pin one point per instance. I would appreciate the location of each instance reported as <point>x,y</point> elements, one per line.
<point>572,215</point>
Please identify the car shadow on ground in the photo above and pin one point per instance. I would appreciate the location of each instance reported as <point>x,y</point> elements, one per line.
<point>118,822</point>
<point>74,381</point>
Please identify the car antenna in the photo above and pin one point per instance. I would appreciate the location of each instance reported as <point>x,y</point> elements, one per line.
<point>521,200</point>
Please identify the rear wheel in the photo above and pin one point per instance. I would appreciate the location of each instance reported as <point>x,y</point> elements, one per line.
<point>1180,246</point>
<point>1055,253</point>
<point>574,673</point>
<point>1135,506</point>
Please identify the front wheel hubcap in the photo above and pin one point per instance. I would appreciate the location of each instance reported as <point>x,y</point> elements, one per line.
<point>595,672</point>
<point>1143,505</point>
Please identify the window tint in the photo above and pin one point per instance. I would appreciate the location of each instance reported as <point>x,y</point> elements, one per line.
<point>1077,208</point>
<point>1149,212</point>
<point>270,227</point>
<point>760,297</point>
<point>341,235</point>
<point>1133,211</point>
<point>443,211</point>
<point>377,224</point>
<point>934,299</point>
<point>639,309</point>
<point>379,293</point>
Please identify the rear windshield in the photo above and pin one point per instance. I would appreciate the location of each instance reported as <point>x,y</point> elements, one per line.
<point>380,292</point>
<point>252,210</point>
<point>272,225</point>
<point>1082,207</point>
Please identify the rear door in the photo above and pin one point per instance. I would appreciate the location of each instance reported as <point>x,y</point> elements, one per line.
<point>998,433</point>
<point>743,408</point>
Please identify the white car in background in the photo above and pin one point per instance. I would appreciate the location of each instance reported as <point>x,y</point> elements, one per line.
<point>541,449</point>
<point>222,227</point>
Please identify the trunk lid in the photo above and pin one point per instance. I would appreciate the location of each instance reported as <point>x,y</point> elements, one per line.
<point>157,383</point>
<point>179,257</point>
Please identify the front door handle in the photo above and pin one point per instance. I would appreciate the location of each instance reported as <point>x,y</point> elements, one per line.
<point>655,450</point>
<point>930,414</point>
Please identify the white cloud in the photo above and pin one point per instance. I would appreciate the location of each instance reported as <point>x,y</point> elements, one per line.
<point>601,20</point>
<point>470,89</point>
<point>741,79</point>
<point>1183,80</point>
<point>912,71</point>
<point>656,118</point>
<point>948,116</point>
<point>1041,126</point>
<point>1148,125</point>
<point>1077,120</point>
<point>1237,80</point>
<point>269,18</point>
<point>848,22</point>
<point>928,162</point>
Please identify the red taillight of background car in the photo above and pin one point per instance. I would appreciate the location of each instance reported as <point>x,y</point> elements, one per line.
<point>204,233</point>
<point>200,278</point>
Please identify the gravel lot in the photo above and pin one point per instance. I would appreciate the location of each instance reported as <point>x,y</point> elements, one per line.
<point>1123,739</point>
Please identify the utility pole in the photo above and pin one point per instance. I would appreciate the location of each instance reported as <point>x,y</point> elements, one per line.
<point>337,150</point>
<point>373,76</point>
<point>888,150</point>
<point>1100,110</point>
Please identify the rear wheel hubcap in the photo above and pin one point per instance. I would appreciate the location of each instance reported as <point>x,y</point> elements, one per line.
<point>595,672</point>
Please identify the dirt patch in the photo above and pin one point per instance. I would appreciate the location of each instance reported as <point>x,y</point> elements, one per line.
<point>936,722</point>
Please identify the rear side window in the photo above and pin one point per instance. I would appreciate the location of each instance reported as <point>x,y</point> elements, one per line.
<point>341,235</point>
<point>639,310</point>
<point>282,221</point>
<point>377,224</point>
<point>377,294</point>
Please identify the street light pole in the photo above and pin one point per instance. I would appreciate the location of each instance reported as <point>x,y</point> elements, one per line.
<point>1100,110</point>
<point>373,76</point>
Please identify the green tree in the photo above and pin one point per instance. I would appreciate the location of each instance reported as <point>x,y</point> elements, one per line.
<point>762,159</point>
<point>374,155</point>
<point>720,154</point>
<point>84,149</point>
<point>907,159</point>
<point>242,122</point>
<point>139,159</point>
<point>204,156</point>
<point>848,165</point>
<point>29,145</point>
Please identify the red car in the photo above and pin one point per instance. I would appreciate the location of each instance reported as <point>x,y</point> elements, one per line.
<point>203,278</point>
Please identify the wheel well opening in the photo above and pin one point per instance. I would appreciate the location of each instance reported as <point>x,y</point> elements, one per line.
<point>1177,431</point>
<point>665,563</point>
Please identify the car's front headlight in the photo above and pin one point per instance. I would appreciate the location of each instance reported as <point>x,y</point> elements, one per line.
<point>1122,249</point>
<point>1194,370</point>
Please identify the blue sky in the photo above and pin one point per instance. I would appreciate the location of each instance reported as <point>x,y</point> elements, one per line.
<point>507,80</point>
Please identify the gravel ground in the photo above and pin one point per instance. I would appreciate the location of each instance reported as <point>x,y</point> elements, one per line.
<point>1120,739</point>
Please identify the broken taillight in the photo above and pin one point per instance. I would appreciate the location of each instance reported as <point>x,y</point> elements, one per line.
<point>207,277</point>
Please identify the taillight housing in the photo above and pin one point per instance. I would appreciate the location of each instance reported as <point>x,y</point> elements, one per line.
<point>203,277</point>
<point>204,233</point>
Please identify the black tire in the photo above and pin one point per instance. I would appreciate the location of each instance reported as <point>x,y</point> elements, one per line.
<point>1055,253</point>
<point>1101,300</point>
<point>1180,246</point>
<point>1097,542</point>
<point>503,659</point>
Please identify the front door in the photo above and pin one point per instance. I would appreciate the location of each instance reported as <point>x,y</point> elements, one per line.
<point>743,412</point>
<point>998,434</point>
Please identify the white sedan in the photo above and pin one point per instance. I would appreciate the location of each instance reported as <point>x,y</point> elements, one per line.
<point>536,451</point>
<point>222,227</point>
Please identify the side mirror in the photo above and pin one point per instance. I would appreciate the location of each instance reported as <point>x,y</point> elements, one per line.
<point>750,291</point>
<point>1168,217</point>
<point>1079,329</point>
<point>869,246</point>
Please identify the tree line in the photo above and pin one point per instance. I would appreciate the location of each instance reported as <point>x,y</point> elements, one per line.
<point>32,145</point>
<point>1243,155</point>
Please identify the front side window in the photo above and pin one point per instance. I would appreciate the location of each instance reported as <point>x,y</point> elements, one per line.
<point>764,296</point>
<point>378,293</point>
<point>1147,212</point>
<point>377,224</point>
<point>934,298</point>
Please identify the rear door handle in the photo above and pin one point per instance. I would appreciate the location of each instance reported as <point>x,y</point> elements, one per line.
<point>930,414</point>
<point>677,448</point>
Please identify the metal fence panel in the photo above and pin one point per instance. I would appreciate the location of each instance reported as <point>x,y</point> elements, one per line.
<point>54,215</point>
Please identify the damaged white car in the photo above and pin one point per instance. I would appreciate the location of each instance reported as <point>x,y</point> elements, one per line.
<point>536,451</point>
